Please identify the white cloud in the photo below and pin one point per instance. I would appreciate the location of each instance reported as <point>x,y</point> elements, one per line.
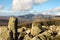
<point>19,5</point>
<point>22,5</point>
<point>1,6</point>
<point>39,1</point>
<point>58,13</point>
<point>57,9</point>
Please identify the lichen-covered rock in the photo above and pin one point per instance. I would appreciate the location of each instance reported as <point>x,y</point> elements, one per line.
<point>35,30</point>
<point>12,27</point>
<point>28,31</point>
<point>21,29</point>
<point>4,33</point>
<point>35,38</point>
<point>27,37</point>
<point>11,24</point>
<point>42,37</point>
<point>45,35</point>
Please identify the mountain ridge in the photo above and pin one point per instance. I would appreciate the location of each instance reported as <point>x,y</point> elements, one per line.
<point>27,18</point>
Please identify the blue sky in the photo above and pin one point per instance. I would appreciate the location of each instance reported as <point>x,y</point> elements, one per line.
<point>47,5</point>
<point>7,5</point>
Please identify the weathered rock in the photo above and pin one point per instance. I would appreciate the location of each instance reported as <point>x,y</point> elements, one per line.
<point>35,38</point>
<point>28,31</point>
<point>47,33</point>
<point>21,29</point>
<point>57,37</point>
<point>53,28</point>
<point>42,37</point>
<point>58,30</point>
<point>35,30</point>
<point>12,26</point>
<point>27,37</point>
<point>3,33</point>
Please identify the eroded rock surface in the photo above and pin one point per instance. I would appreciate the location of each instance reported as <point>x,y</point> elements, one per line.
<point>36,32</point>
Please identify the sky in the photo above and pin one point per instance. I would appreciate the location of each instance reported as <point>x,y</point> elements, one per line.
<point>22,7</point>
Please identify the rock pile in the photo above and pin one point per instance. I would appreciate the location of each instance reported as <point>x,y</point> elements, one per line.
<point>38,32</point>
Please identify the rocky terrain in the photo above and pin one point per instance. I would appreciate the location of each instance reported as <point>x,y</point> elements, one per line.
<point>37,30</point>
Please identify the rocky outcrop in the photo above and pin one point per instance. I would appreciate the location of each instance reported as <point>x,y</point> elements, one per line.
<point>9,32</point>
<point>37,31</point>
<point>12,27</point>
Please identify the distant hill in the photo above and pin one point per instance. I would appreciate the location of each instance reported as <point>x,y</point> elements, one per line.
<point>4,20</point>
<point>27,18</point>
<point>42,17</point>
<point>24,18</point>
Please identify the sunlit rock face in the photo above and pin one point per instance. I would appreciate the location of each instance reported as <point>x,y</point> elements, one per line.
<point>27,37</point>
<point>35,29</point>
<point>11,23</point>
<point>9,32</point>
<point>3,33</point>
<point>12,26</point>
<point>35,38</point>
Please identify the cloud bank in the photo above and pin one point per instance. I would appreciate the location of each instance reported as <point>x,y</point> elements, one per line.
<point>54,11</point>
<point>22,5</point>
<point>19,5</point>
<point>57,9</point>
